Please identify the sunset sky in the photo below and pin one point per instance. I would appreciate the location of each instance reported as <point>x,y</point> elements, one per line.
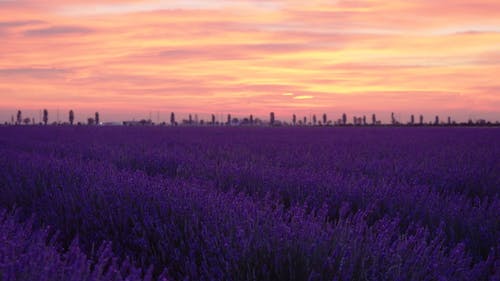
<point>128,58</point>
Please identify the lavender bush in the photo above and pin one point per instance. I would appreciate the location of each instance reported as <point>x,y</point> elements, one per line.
<point>28,254</point>
<point>267,204</point>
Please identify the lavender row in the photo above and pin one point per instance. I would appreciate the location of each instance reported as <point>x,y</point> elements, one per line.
<point>200,233</point>
<point>27,253</point>
<point>463,160</point>
<point>432,176</point>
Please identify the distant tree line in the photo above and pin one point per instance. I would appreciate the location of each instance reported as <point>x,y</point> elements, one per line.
<point>251,121</point>
<point>44,119</point>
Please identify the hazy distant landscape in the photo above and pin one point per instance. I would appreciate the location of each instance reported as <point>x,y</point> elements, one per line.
<point>249,203</point>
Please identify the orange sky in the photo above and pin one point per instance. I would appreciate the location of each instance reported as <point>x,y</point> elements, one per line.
<point>127,58</point>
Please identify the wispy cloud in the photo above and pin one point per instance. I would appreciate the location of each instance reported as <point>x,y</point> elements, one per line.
<point>32,72</point>
<point>57,30</point>
<point>303,97</point>
<point>18,23</point>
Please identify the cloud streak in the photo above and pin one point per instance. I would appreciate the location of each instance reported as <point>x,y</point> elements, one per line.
<point>57,31</point>
<point>32,72</point>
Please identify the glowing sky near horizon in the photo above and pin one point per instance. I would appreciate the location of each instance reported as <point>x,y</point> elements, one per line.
<point>126,58</point>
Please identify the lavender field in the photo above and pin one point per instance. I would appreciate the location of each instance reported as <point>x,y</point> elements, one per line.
<point>161,203</point>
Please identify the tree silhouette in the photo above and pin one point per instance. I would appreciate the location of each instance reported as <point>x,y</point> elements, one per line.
<point>294,119</point>
<point>96,119</point>
<point>19,117</point>
<point>45,116</point>
<point>229,119</point>
<point>374,119</point>
<point>436,121</point>
<point>213,119</point>
<point>271,118</point>
<point>26,121</point>
<point>324,119</point>
<point>305,121</point>
<point>412,119</point>
<point>172,119</point>
<point>393,119</point>
<point>90,121</point>
<point>344,119</point>
<point>421,119</point>
<point>71,117</point>
<point>314,120</point>
<point>251,119</point>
